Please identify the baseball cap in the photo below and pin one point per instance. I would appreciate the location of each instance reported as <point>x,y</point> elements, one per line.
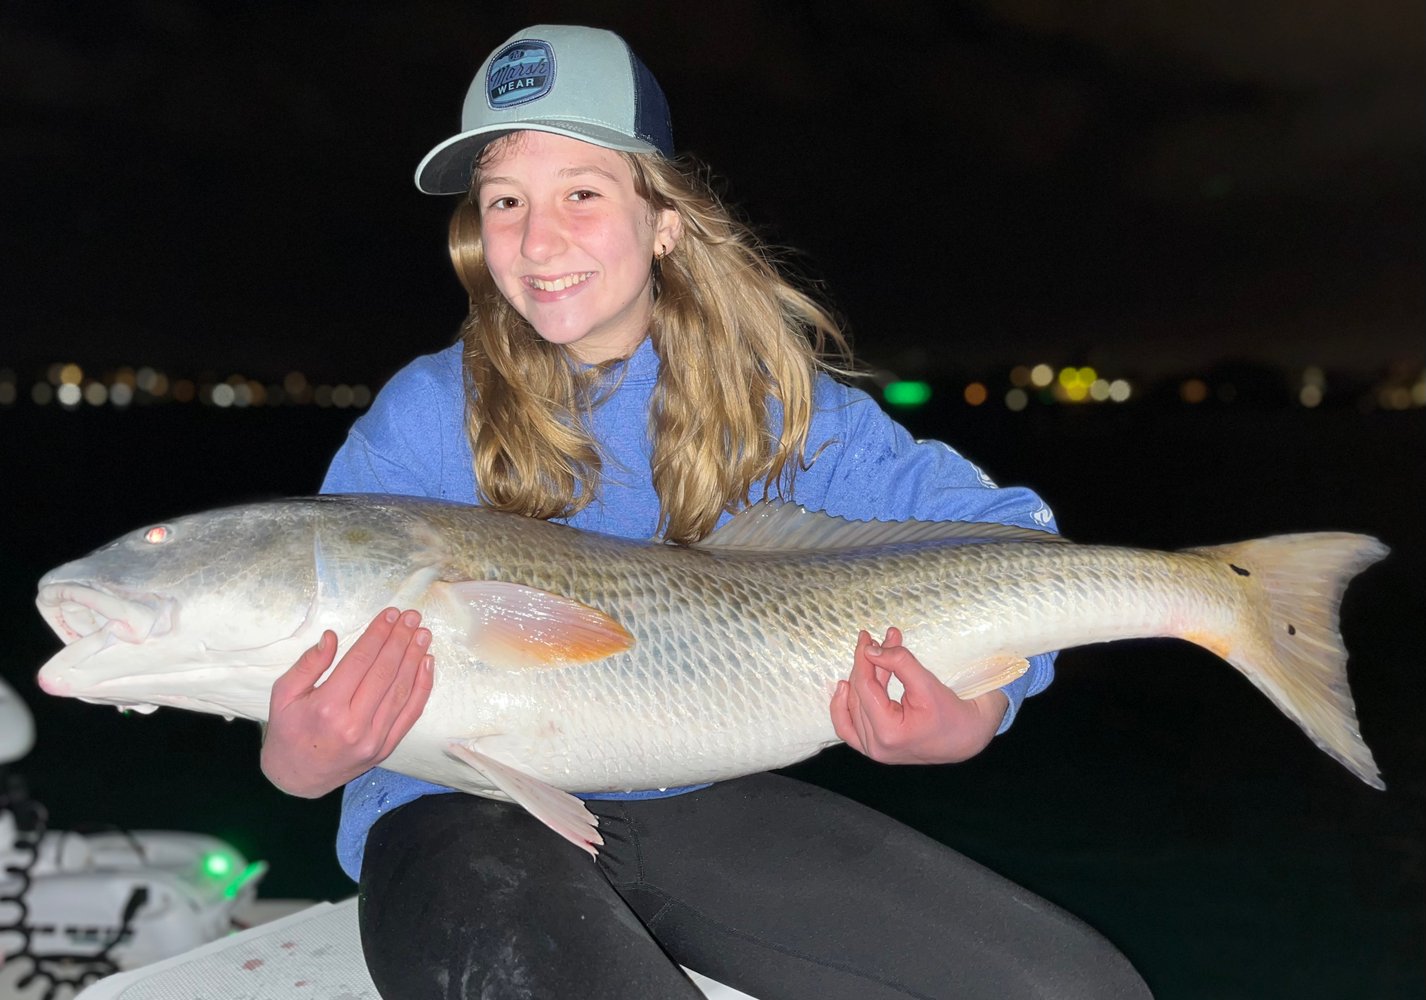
<point>585,83</point>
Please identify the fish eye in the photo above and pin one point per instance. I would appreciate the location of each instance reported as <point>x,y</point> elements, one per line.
<point>158,534</point>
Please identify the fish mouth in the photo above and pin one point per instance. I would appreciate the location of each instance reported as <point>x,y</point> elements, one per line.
<point>76,610</point>
<point>89,620</point>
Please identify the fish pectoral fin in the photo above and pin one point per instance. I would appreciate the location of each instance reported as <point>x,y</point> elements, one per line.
<point>558,810</point>
<point>513,625</point>
<point>989,674</point>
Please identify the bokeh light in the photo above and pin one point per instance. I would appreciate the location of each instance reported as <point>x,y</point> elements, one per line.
<point>907,393</point>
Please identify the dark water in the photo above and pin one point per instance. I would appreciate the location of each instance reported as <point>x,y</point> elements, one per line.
<point>1151,790</point>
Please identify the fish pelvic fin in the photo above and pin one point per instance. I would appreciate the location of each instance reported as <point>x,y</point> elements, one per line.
<point>988,675</point>
<point>512,625</point>
<point>558,810</point>
<point>1291,646</point>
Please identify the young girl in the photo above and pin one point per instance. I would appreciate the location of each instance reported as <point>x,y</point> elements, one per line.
<point>633,364</point>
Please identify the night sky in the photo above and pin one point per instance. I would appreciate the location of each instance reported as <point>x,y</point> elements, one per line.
<point>227,187</point>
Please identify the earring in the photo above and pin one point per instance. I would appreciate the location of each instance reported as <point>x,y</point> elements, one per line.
<point>663,252</point>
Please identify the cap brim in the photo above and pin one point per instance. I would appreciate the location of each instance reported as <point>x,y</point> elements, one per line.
<point>447,168</point>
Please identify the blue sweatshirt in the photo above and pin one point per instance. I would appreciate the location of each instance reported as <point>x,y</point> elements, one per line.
<point>413,442</point>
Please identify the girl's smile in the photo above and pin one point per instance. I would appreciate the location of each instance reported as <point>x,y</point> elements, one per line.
<point>553,285</point>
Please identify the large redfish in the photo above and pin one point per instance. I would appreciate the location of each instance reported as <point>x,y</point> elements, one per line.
<point>571,661</point>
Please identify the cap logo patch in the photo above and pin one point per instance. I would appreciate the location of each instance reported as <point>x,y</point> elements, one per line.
<point>521,72</point>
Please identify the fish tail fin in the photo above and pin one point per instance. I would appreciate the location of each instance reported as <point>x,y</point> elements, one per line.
<point>1290,646</point>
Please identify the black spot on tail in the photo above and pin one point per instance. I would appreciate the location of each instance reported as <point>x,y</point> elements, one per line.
<point>1292,630</point>
<point>1239,570</point>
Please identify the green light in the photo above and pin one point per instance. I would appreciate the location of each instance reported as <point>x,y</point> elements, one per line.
<point>217,864</point>
<point>907,394</point>
<point>255,869</point>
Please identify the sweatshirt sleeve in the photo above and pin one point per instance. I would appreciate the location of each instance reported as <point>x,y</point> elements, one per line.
<point>867,466</point>
<point>411,442</point>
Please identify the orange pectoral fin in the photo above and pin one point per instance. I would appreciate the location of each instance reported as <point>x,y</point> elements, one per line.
<point>518,626</point>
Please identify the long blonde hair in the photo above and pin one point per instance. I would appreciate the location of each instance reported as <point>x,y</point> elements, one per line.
<point>733,336</point>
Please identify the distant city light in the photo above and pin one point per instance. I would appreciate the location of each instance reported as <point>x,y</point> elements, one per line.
<point>65,382</point>
<point>907,394</point>
<point>1395,397</point>
<point>1400,385</point>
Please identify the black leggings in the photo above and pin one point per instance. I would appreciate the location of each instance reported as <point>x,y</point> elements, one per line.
<point>779,888</point>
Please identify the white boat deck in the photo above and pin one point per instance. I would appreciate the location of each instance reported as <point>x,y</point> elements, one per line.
<point>313,953</point>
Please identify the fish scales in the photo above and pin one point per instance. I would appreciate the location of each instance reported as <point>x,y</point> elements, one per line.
<point>591,663</point>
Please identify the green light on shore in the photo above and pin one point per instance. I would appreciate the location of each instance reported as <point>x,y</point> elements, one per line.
<point>907,394</point>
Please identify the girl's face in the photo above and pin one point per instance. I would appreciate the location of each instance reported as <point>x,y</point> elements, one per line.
<point>570,243</point>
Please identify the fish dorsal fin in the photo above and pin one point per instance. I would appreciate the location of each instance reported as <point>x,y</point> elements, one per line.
<point>773,526</point>
<point>511,625</point>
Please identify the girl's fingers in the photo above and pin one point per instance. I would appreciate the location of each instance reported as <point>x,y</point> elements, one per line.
<point>411,710</point>
<point>300,677</point>
<point>417,702</point>
<point>387,662</point>
<point>868,682</point>
<point>854,727</point>
<point>862,707</point>
<point>354,665</point>
<point>841,715</point>
<point>864,741</point>
<point>411,683</point>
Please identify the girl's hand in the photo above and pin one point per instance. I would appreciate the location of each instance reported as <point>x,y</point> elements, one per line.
<point>929,725</point>
<point>320,737</point>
